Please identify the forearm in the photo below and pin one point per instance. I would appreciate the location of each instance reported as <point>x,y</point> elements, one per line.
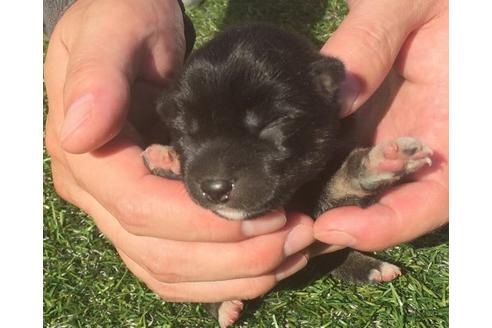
<point>52,10</point>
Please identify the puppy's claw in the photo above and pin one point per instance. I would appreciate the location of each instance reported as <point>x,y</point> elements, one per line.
<point>428,151</point>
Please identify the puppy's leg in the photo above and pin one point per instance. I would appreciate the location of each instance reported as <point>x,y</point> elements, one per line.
<point>364,174</point>
<point>347,264</point>
<point>368,171</point>
<point>162,161</point>
<point>226,312</point>
<point>359,267</point>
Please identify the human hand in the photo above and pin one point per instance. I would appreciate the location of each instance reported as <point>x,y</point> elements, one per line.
<point>96,71</point>
<point>412,37</point>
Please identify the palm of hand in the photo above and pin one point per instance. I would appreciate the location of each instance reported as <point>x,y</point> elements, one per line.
<point>418,107</point>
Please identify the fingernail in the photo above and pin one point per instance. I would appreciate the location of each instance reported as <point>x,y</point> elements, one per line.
<point>291,266</point>
<point>298,238</point>
<point>349,91</point>
<point>340,238</point>
<point>78,112</point>
<point>268,223</point>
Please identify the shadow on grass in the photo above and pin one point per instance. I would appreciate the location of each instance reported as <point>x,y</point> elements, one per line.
<point>438,237</point>
<point>300,18</point>
<point>321,266</point>
<point>317,268</point>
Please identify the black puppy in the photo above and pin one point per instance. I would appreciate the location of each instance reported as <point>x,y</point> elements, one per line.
<point>253,126</point>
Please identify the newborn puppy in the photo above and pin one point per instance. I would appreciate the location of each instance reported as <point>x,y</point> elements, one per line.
<point>252,117</point>
<point>253,126</point>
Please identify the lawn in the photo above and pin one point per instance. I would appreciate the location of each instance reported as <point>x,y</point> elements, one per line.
<point>86,285</point>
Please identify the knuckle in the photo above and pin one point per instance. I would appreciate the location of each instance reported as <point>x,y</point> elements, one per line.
<point>50,147</point>
<point>256,288</point>
<point>60,177</point>
<point>60,187</point>
<point>51,141</point>
<point>170,278</point>
<point>168,293</point>
<point>262,260</point>
<point>162,267</point>
<point>174,293</point>
<point>130,213</point>
<point>59,182</point>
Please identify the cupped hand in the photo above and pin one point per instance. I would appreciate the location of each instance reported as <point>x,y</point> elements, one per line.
<point>411,37</point>
<point>109,57</point>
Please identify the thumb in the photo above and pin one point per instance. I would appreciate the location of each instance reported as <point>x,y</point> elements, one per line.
<point>97,86</point>
<point>105,60</point>
<point>368,42</point>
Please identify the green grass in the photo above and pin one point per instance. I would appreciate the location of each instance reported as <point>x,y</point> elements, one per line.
<point>86,285</point>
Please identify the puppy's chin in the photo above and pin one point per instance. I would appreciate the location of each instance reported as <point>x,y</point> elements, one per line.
<point>237,214</point>
<point>232,213</point>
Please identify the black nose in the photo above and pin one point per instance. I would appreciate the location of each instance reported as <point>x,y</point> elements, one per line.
<point>217,191</point>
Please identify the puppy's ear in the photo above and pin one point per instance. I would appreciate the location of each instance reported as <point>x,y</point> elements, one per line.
<point>158,130</point>
<point>327,73</point>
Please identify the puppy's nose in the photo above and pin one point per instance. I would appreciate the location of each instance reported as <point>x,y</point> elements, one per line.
<point>217,191</point>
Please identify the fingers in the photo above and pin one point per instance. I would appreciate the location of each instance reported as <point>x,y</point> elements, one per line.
<point>104,61</point>
<point>175,262</point>
<point>403,214</point>
<point>179,271</point>
<point>217,291</point>
<point>368,42</point>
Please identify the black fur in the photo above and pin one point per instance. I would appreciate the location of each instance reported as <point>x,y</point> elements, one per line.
<point>256,106</point>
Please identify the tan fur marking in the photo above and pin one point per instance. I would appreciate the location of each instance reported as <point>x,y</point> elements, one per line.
<point>342,185</point>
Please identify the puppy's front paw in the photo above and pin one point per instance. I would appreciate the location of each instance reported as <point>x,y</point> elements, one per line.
<point>229,312</point>
<point>388,162</point>
<point>386,272</point>
<point>162,161</point>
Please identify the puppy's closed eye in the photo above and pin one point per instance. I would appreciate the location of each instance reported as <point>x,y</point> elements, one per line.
<point>280,131</point>
<point>288,124</point>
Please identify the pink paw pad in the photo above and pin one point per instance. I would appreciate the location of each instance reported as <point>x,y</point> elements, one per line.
<point>405,154</point>
<point>161,158</point>
<point>386,272</point>
<point>229,312</point>
<point>387,162</point>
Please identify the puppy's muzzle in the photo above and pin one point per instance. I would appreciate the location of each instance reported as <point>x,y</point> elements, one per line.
<point>217,191</point>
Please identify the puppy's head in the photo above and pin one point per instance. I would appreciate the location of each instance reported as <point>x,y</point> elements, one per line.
<point>249,133</point>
